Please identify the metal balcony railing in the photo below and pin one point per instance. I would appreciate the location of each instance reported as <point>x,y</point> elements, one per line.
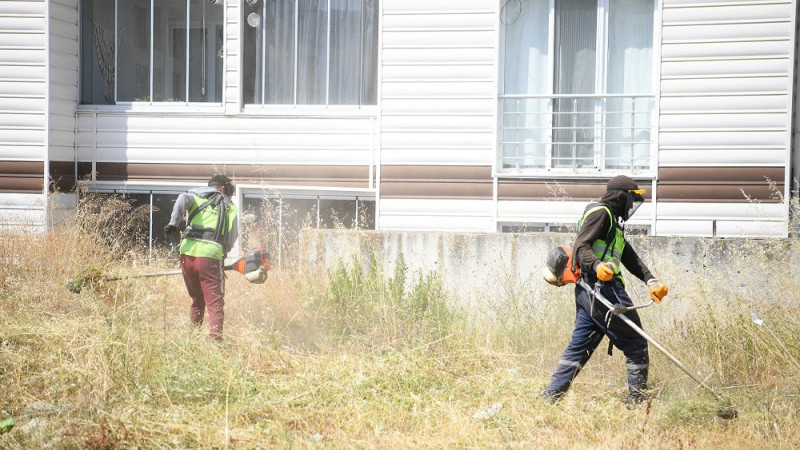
<point>576,133</point>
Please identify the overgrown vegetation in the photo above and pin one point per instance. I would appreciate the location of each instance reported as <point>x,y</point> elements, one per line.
<point>365,357</point>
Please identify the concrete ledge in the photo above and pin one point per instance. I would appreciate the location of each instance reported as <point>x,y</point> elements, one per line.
<point>483,268</point>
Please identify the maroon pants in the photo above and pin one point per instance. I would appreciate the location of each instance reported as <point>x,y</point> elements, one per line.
<point>204,278</point>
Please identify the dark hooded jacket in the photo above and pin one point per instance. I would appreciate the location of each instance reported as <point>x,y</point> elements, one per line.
<point>596,226</point>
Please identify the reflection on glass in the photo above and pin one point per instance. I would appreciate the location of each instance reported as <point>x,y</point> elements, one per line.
<point>97,52</point>
<point>133,58</point>
<point>205,51</point>
<point>312,48</point>
<point>169,51</point>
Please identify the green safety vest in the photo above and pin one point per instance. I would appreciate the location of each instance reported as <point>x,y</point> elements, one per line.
<point>608,251</point>
<point>206,230</point>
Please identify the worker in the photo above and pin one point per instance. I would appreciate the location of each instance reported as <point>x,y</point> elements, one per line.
<point>211,230</point>
<point>600,248</point>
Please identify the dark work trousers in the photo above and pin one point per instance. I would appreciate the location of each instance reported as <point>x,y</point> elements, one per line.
<point>204,278</point>
<point>589,331</point>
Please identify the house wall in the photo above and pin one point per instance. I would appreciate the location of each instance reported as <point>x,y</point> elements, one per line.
<point>23,117</point>
<point>428,150</point>
<point>725,117</point>
<point>724,123</point>
<point>62,101</point>
<point>438,102</point>
<point>152,145</point>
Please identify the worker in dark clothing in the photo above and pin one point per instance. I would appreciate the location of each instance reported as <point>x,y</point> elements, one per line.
<point>211,231</point>
<point>600,248</point>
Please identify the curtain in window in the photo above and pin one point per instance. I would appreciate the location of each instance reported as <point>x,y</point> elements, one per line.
<point>303,54</point>
<point>205,51</point>
<point>369,53</point>
<point>575,61</point>
<point>526,51</point>
<point>345,51</point>
<point>279,67</point>
<point>630,56</point>
<point>312,52</point>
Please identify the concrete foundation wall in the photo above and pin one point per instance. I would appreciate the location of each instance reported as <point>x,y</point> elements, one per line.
<point>484,270</point>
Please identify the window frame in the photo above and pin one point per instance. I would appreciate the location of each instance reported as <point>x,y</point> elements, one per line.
<point>600,92</point>
<point>326,109</point>
<point>150,105</point>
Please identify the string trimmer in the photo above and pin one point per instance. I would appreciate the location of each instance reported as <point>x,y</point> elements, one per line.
<point>560,270</point>
<point>252,261</point>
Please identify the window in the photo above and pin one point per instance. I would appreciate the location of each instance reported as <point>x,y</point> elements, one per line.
<point>577,86</point>
<point>277,221</point>
<point>151,51</point>
<point>310,52</point>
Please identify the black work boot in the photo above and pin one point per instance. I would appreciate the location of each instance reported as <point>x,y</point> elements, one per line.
<point>636,396</point>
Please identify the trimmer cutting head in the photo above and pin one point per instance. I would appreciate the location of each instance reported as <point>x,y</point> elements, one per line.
<point>728,413</point>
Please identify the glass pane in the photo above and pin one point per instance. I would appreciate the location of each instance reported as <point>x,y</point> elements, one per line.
<point>630,71</point>
<point>630,47</point>
<point>526,30</point>
<point>628,125</point>
<point>366,214</point>
<point>97,52</point>
<point>206,50</point>
<point>169,51</point>
<point>162,210</point>
<point>312,57</point>
<point>369,53</point>
<point>337,213</point>
<point>280,31</point>
<point>345,65</point>
<point>525,120</point>
<point>133,59</point>
<point>575,52</point>
<point>525,129</point>
<point>252,54</point>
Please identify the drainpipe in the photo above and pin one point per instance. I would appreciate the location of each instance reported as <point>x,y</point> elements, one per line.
<point>794,152</point>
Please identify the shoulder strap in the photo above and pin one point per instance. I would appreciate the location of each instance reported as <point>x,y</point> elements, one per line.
<point>610,236</point>
<point>213,201</point>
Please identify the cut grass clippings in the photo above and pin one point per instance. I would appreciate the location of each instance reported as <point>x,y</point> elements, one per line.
<point>358,358</point>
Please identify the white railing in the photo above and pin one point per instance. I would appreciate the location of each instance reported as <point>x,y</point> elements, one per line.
<point>576,133</point>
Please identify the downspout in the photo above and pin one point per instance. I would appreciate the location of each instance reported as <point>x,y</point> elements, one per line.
<point>46,155</point>
<point>793,172</point>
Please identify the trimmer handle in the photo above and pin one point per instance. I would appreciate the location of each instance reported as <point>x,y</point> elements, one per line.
<point>619,307</point>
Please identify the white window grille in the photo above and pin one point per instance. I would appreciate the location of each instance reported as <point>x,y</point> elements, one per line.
<point>577,87</point>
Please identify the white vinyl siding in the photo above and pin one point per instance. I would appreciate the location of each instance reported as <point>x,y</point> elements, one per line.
<point>437,102</point>
<point>726,89</point>
<point>217,139</point>
<point>63,68</point>
<point>436,214</point>
<point>725,83</point>
<point>23,91</point>
<point>23,80</point>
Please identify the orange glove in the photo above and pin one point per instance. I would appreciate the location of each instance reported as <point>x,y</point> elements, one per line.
<point>658,290</point>
<point>606,271</point>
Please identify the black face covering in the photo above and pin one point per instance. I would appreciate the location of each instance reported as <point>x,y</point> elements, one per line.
<point>633,200</point>
<point>228,189</point>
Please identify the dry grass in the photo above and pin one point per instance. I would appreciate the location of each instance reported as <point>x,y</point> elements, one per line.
<point>358,358</point>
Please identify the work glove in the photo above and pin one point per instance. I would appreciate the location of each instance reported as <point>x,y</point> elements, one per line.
<point>170,232</point>
<point>658,290</point>
<point>257,276</point>
<point>606,271</point>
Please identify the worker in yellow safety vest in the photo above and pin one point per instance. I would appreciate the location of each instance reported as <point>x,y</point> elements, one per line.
<point>601,250</point>
<point>210,233</point>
